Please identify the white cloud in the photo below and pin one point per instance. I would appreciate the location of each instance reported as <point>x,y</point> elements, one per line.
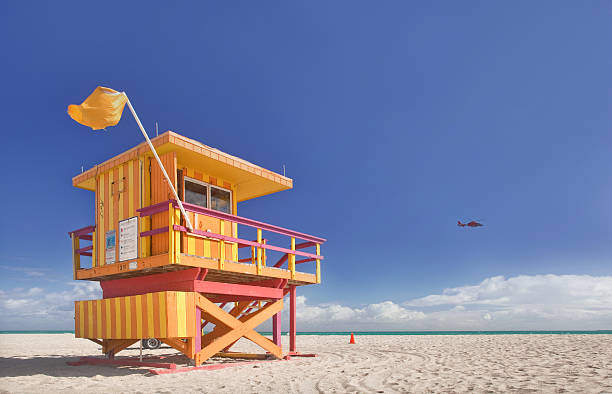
<point>38,309</point>
<point>538,302</point>
<point>332,317</point>
<point>566,290</point>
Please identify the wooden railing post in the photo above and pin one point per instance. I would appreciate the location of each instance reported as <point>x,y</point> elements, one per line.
<point>76,258</point>
<point>292,259</point>
<point>265,241</point>
<point>259,255</point>
<point>174,240</point>
<point>93,250</point>
<point>318,272</point>
<point>171,233</point>
<point>222,245</point>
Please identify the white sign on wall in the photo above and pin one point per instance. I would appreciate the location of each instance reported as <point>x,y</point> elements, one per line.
<point>128,239</point>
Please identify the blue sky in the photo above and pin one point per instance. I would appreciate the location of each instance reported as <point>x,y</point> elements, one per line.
<point>395,120</point>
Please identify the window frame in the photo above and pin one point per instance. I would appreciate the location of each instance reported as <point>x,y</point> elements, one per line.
<point>208,195</point>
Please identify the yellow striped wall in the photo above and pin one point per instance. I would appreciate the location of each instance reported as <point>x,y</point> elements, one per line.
<point>167,314</point>
<point>118,196</point>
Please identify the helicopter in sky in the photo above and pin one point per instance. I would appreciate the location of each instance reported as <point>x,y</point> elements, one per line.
<point>472,224</point>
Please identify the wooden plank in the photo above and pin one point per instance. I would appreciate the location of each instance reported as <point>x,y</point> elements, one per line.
<point>150,332</point>
<point>139,321</point>
<point>221,245</point>
<point>144,318</point>
<point>292,258</point>
<point>259,252</point>
<point>134,318</point>
<point>163,326</point>
<point>128,318</point>
<point>115,210</point>
<point>109,318</point>
<point>121,200</point>
<point>172,316</point>
<point>118,317</point>
<point>101,217</point>
<point>143,263</point>
<point>123,318</point>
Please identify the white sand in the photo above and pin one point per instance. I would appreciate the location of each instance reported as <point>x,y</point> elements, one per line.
<point>479,363</point>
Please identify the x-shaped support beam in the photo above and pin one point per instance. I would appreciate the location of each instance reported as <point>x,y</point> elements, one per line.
<point>229,329</point>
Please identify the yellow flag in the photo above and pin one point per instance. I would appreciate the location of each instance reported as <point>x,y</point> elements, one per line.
<point>101,109</point>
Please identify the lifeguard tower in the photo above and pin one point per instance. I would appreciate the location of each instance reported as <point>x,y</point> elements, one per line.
<point>162,280</point>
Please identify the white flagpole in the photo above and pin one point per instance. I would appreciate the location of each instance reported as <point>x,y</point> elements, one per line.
<point>180,204</point>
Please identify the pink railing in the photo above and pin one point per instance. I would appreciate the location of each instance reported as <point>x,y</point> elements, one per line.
<point>257,246</point>
<point>86,234</point>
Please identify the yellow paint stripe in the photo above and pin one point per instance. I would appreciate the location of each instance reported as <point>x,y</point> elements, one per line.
<point>100,230</point>
<point>139,317</point>
<point>207,248</point>
<point>146,177</point>
<point>109,212</point>
<point>107,307</point>
<point>128,317</point>
<point>191,241</point>
<point>120,186</point>
<point>118,316</point>
<point>81,319</point>
<point>90,327</point>
<point>162,315</point>
<point>131,188</point>
<point>98,319</point>
<point>150,320</point>
<point>181,314</point>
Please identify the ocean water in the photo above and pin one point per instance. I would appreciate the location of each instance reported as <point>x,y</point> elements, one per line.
<point>563,332</point>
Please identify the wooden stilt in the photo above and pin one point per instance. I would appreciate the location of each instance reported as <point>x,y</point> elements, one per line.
<point>292,328</point>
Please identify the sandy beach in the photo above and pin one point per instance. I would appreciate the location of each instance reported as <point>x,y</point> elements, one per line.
<point>380,364</point>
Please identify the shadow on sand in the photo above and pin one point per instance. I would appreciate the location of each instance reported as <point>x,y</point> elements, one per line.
<point>55,365</point>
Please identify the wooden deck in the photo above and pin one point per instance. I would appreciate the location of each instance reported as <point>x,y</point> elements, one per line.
<point>232,272</point>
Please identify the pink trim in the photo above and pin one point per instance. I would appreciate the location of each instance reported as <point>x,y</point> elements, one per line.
<point>248,222</point>
<point>162,206</point>
<point>246,246</point>
<point>233,289</point>
<point>153,209</point>
<point>126,362</point>
<point>186,280</point>
<point>297,247</point>
<point>245,242</point>
<point>153,232</point>
<point>198,337</point>
<point>85,249</point>
<point>292,330</point>
<point>212,367</point>
<point>82,231</point>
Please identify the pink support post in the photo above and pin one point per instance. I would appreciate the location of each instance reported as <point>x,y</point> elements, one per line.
<point>276,329</point>
<point>292,330</point>
<point>198,337</point>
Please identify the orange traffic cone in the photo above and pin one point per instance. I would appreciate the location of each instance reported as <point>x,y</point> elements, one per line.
<point>352,341</point>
